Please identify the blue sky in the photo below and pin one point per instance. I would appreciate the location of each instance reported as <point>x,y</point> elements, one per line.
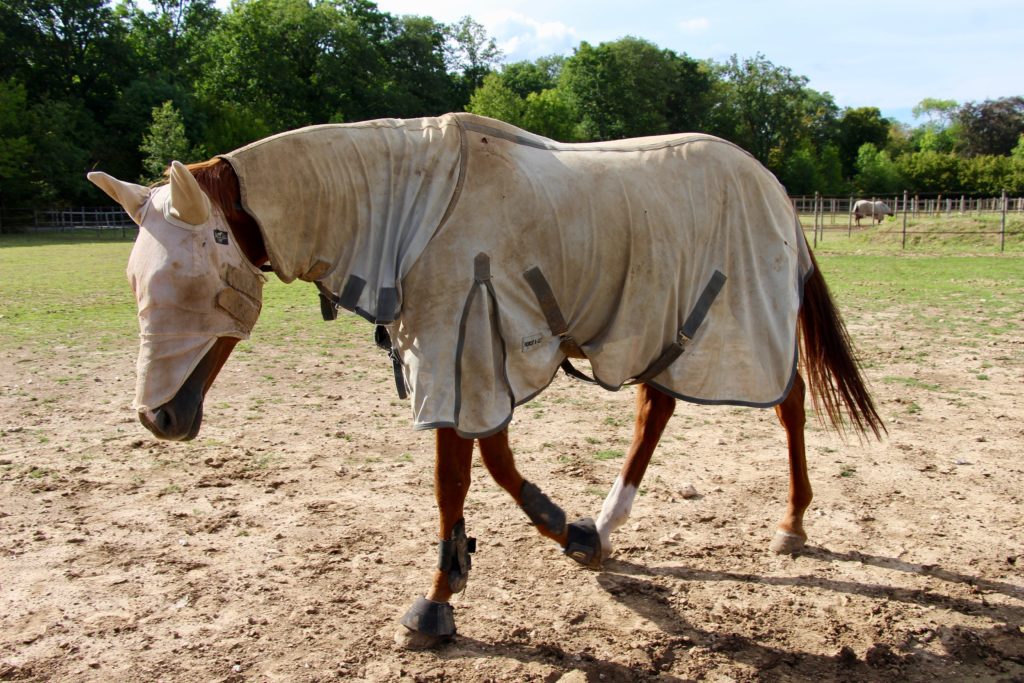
<point>870,53</point>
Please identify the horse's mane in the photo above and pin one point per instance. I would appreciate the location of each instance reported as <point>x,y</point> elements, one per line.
<point>220,183</point>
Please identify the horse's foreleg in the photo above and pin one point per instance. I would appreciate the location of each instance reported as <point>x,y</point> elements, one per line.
<point>653,410</point>
<point>578,539</point>
<point>430,621</point>
<point>790,535</point>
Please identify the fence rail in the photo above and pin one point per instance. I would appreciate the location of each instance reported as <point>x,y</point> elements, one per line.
<point>65,220</point>
<point>831,211</point>
<point>915,205</point>
<point>827,209</point>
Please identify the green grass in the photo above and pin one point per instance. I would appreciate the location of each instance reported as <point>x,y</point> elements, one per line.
<point>963,295</point>
<point>70,290</point>
<point>608,455</point>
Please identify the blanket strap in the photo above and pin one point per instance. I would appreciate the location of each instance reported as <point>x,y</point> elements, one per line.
<point>556,321</point>
<point>686,332</point>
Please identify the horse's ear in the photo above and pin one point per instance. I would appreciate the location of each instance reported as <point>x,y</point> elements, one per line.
<point>188,203</point>
<point>129,195</point>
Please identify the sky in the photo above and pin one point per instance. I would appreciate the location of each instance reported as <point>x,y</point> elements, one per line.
<point>885,54</point>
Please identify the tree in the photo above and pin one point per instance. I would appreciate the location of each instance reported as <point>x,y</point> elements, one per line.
<point>549,113</point>
<point>857,127</point>
<point>876,171</point>
<point>630,87</point>
<point>164,142</point>
<point>471,54</point>
<point>988,174</point>
<point>930,171</point>
<point>765,105</point>
<point>16,149</point>
<point>939,112</point>
<point>417,77</point>
<point>991,127</point>
<point>495,99</point>
<point>524,77</point>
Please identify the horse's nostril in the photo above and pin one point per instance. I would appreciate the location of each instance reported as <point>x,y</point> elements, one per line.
<point>163,420</point>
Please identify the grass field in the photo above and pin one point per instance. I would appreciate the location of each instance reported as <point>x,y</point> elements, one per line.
<point>71,288</point>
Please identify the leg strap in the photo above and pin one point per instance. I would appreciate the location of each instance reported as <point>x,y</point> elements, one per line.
<point>453,557</point>
<point>540,509</point>
<point>430,618</point>
<point>584,544</point>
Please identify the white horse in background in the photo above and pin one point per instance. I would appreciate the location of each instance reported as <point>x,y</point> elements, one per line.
<point>866,207</point>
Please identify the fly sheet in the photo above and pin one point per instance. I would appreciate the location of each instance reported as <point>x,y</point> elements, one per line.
<point>492,253</point>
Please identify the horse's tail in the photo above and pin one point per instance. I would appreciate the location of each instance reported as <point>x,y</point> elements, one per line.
<point>833,372</point>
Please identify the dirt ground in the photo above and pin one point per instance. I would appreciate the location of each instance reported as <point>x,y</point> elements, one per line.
<point>286,541</point>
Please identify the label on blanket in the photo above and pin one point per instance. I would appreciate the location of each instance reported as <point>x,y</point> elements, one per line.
<point>532,342</point>
<point>221,236</point>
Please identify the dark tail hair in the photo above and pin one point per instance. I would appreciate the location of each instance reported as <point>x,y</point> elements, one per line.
<point>833,372</point>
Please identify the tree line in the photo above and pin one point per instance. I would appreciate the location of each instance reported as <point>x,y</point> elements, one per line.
<point>124,87</point>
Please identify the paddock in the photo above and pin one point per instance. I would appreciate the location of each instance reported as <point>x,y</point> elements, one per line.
<point>285,542</point>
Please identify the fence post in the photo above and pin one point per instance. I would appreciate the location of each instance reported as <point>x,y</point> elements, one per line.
<point>849,219</point>
<point>1002,230</point>
<point>905,218</point>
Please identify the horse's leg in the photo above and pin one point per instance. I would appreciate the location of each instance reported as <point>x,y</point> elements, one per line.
<point>430,621</point>
<point>653,410</point>
<point>578,539</point>
<point>789,535</point>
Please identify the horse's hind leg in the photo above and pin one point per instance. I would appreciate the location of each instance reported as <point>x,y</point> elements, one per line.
<point>789,535</point>
<point>578,539</point>
<point>430,621</point>
<point>653,410</point>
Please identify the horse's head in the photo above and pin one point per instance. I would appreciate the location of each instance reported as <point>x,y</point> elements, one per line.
<point>197,296</point>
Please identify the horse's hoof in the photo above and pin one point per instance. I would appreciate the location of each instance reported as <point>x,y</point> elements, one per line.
<point>584,543</point>
<point>407,639</point>
<point>786,543</point>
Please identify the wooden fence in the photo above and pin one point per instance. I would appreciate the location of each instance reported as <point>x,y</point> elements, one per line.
<point>97,218</point>
<point>838,211</point>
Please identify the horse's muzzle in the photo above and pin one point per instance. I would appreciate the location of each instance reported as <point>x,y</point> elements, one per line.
<point>180,418</point>
<point>172,424</point>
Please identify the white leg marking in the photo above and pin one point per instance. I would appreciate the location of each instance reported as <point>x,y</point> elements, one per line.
<point>614,513</point>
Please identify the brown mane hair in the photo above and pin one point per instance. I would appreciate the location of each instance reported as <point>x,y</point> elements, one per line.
<point>220,183</point>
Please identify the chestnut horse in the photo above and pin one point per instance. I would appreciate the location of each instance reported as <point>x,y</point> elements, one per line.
<point>208,194</point>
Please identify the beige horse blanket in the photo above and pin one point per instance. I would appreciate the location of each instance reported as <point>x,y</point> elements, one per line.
<point>491,253</point>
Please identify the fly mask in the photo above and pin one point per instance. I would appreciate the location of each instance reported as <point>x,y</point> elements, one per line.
<point>191,282</point>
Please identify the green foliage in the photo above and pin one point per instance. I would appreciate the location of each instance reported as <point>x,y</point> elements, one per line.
<point>930,171</point>
<point>991,174</point>
<point>765,105</point>
<point>532,77</point>
<point>495,99</point>
<point>876,171</point>
<point>164,142</point>
<point>991,127</point>
<point>15,148</point>
<point>630,87</point>
<point>857,127</point>
<point>806,171</point>
<point>80,80</point>
<point>549,113</point>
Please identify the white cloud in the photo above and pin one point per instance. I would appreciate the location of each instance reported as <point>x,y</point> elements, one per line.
<point>698,25</point>
<point>522,37</point>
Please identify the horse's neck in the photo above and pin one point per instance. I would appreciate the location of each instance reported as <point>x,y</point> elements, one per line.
<point>220,182</point>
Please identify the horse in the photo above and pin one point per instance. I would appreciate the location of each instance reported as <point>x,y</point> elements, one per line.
<point>872,209</point>
<point>673,263</point>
